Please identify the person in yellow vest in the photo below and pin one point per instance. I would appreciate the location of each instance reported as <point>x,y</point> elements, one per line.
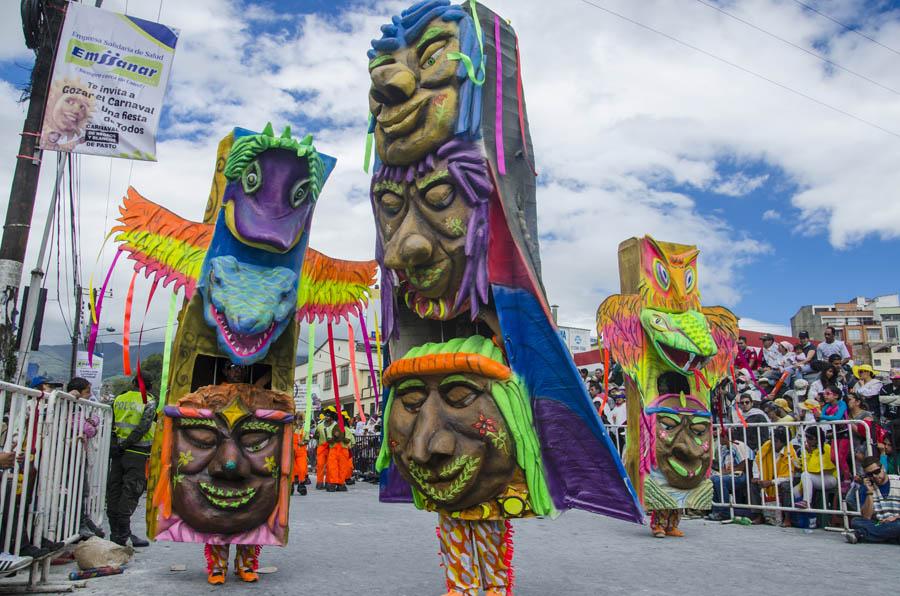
<point>133,426</point>
<point>323,436</point>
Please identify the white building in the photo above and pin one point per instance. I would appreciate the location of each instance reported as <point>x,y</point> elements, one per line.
<point>322,383</point>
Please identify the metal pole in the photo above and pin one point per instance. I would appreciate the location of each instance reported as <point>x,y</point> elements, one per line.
<point>37,276</point>
<point>27,172</point>
<point>76,331</point>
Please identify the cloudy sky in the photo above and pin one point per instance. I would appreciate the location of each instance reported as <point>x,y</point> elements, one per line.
<point>765,133</point>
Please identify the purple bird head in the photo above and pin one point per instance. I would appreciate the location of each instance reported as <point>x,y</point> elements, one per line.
<point>273,184</point>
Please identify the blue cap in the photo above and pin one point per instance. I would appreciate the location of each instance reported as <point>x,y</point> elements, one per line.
<point>42,380</point>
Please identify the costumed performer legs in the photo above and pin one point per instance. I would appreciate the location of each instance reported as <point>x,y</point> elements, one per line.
<point>672,351</point>
<point>300,470</point>
<point>460,431</point>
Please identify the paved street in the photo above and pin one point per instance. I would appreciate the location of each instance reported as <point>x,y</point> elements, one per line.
<point>349,543</point>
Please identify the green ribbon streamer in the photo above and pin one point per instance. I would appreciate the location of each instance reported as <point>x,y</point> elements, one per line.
<point>167,352</point>
<point>311,343</point>
<point>367,158</point>
<point>466,60</point>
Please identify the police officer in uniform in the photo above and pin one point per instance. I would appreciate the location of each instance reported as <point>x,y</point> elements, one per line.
<point>133,426</point>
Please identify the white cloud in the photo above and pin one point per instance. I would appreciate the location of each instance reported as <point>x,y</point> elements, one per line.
<point>739,185</point>
<point>771,215</point>
<point>621,113</point>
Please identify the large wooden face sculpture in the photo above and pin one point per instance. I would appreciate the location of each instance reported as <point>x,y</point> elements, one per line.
<point>415,92</point>
<point>683,435</point>
<point>450,440</point>
<point>226,458</point>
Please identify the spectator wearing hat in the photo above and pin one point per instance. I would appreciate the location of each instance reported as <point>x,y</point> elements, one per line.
<point>797,394</point>
<point>772,357</point>
<point>890,403</point>
<point>832,345</point>
<point>868,388</point>
<point>45,384</point>
<point>810,410</point>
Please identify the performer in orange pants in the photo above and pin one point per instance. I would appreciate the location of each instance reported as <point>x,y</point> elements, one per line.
<point>300,473</point>
<point>339,467</point>
<point>324,429</point>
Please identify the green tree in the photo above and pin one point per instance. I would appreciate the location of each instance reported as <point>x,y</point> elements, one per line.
<point>116,385</point>
<point>151,367</point>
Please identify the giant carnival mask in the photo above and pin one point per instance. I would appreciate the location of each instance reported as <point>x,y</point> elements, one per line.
<point>453,195</point>
<point>416,71</point>
<point>459,429</point>
<point>226,454</point>
<point>248,276</point>
<point>672,351</point>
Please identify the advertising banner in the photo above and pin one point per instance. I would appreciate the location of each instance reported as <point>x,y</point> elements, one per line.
<point>91,374</point>
<point>108,84</point>
<point>576,339</point>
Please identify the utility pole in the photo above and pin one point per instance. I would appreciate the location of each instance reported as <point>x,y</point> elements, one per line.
<point>76,330</point>
<point>42,20</point>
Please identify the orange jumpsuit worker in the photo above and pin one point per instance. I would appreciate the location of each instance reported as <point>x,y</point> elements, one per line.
<point>323,436</point>
<point>300,474</point>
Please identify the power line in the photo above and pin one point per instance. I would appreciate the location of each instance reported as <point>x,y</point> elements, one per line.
<point>847,27</point>
<point>743,69</point>
<point>799,47</point>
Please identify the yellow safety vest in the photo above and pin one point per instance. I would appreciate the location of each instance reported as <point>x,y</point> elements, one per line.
<point>127,411</point>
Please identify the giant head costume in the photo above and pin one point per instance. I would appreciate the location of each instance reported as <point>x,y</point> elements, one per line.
<point>248,278</point>
<point>672,351</point>
<point>453,196</point>
<point>226,456</point>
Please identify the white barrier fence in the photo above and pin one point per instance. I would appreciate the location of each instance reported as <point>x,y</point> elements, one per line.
<point>58,475</point>
<point>815,472</point>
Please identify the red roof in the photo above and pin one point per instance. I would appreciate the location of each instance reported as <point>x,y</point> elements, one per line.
<point>754,339</point>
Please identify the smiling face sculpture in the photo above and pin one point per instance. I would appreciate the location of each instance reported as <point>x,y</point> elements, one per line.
<point>459,429</point>
<point>225,448</point>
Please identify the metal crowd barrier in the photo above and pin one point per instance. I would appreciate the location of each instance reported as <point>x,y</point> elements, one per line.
<point>835,497</point>
<point>832,493</point>
<point>58,476</point>
<point>364,454</point>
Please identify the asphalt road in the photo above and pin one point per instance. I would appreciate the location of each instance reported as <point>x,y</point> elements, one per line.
<point>349,543</point>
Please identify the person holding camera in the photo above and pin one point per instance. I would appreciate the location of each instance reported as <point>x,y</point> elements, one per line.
<point>880,498</point>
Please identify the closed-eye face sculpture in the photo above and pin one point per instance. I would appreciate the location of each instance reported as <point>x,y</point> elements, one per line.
<point>227,450</point>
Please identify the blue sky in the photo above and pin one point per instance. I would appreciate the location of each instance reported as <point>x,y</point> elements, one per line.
<point>790,202</point>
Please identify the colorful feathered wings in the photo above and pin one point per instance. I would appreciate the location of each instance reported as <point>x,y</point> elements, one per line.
<point>723,325</point>
<point>171,249</point>
<point>619,323</point>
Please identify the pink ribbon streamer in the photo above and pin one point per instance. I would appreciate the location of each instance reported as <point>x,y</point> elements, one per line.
<point>365,332</point>
<point>353,373</point>
<point>95,325</point>
<point>498,116</point>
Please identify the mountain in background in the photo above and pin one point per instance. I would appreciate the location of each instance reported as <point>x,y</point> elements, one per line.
<point>53,360</point>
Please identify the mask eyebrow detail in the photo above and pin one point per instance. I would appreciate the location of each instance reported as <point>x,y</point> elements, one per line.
<point>460,380</point>
<point>431,34</point>
<point>410,384</point>
<point>196,423</point>
<point>260,425</point>
<point>379,60</point>
<point>699,420</point>
<point>394,187</point>
<point>438,176</point>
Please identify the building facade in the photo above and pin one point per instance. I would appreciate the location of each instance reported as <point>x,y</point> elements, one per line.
<point>322,379</point>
